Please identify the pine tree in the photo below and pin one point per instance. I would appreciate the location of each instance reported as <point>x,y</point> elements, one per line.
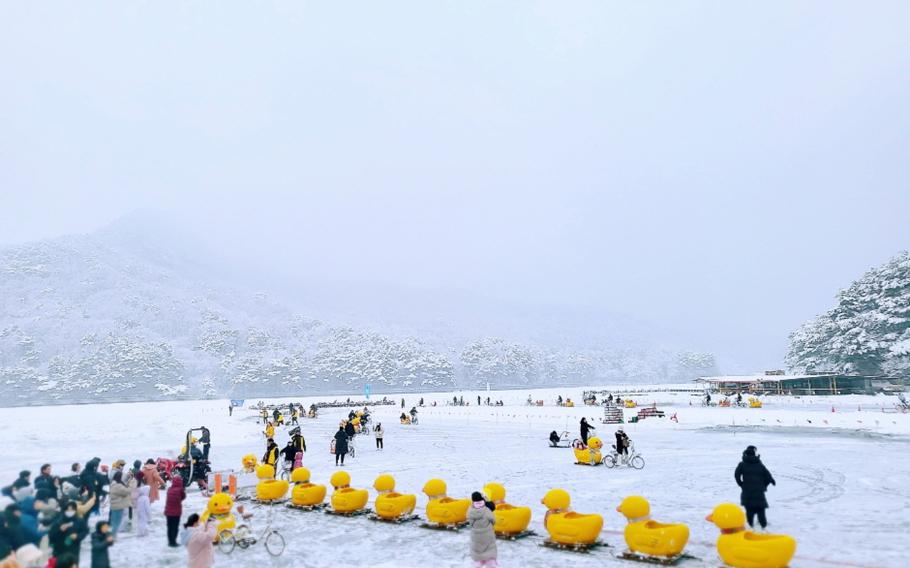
<point>867,332</point>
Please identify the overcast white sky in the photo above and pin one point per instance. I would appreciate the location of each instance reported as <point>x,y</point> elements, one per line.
<point>721,167</point>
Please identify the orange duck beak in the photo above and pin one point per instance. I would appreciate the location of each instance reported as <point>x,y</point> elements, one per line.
<point>710,518</point>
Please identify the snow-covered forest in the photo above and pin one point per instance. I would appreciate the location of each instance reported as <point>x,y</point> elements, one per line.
<point>101,317</point>
<point>868,331</point>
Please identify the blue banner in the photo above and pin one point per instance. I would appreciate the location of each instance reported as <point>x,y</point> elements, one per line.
<point>366,390</point>
<point>235,402</point>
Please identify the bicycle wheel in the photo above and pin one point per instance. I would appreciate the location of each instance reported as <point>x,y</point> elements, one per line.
<point>637,462</point>
<point>351,451</point>
<point>274,543</point>
<point>226,542</point>
<point>609,460</point>
<point>285,475</point>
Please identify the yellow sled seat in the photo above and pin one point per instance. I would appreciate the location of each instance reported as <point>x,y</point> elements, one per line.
<point>442,509</point>
<point>389,504</point>
<point>741,548</point>
<point>510,520</point>
<point>567,527</point>
<point>346,499</point>
<point>647,537</point>
<point>306,494</point>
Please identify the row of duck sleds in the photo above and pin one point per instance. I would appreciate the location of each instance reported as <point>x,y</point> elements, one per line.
<point>648,541</point>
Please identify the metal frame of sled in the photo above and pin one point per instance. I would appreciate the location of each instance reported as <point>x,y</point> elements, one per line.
<point>454,527</point>
<point>580,547</point>
<point>659,560</point>
<point>357,513</point>
<point>394,521</point>
<point>307,508</point>
<point>515,536</point>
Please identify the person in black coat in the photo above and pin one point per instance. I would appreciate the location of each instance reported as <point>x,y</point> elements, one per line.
<point>67,532</point>
<point>622,444</point>
<point>288,452</point>
<point>585,430</point>
<point>341,445</point>
<point>349,429</point>
<point>45,480</point>
<point>753,478</point>
<point>102,539</point>
<point>206,441</point>
<point>299,441</point>
<point>14,535</point>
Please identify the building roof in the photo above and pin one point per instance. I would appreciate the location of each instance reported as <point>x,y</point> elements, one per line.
<point>758,378</point>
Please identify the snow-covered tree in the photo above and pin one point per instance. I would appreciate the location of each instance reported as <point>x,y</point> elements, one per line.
<point>867,332</point>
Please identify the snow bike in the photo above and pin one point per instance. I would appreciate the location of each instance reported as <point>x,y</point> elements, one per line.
<point>244,537</point>
<point>190,465</point>
<point>633,459</point>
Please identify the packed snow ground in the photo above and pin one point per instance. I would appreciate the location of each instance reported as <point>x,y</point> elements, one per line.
<point>843,480</point>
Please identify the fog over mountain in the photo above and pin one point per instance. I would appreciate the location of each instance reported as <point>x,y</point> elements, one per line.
<point>134,311</point>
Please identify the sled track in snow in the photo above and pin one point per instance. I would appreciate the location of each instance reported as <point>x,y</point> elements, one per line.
<point>824,485</point>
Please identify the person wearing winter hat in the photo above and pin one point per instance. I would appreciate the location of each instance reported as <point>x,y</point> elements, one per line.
<point>753,479</point>
<point>483,539</point>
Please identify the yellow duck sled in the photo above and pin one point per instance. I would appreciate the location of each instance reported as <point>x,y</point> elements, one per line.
<point>511,521</point>
<point>442,511</point>
<point>648,540</point>
<point>741,548</point>
<point>346,500</point>
<point>590,454</point>
<point>568,529</point>
<point>390,505</point>
<point>305,495</point>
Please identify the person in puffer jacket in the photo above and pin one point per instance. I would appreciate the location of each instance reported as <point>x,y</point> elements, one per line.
<point>753,479</point>
<point>483,539</point>
<point>173,509</point>
<point>120,501</point>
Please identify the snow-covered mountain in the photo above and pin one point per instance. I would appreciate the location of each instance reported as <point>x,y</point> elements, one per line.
<point>868,331</point>
<point>131,312</point>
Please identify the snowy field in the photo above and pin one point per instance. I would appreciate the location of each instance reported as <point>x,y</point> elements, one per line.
<point>843,477</point>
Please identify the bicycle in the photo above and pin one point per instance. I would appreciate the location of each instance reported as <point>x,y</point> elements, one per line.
<point>633,459</point>
<point>244,537</point>
<point>285,473</point>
